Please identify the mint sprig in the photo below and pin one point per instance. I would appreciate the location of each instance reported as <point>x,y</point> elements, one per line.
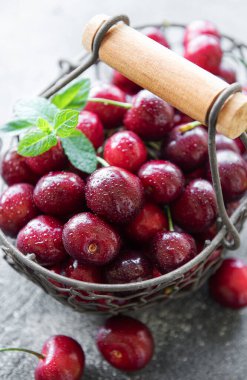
<point>74,95</point>
<point>65,122</point>
<point>36,108</point>
<point>36,143</point>
<point>45,122</point>
<point>80,151</point>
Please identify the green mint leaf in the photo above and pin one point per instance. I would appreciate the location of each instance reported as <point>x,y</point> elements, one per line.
<point>44,125</point>
<point>65,122</point>
<point>81,98</point>
<point>16,125</point>
<point>33,109</point>
<point>36,143</point>
<point>66,96</point>
<point>80,152</point>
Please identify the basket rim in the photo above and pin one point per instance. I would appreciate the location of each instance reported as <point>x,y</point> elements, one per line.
<point>168,277</point>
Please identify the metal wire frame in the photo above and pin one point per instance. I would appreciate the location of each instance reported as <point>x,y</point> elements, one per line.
<point>101,298</point>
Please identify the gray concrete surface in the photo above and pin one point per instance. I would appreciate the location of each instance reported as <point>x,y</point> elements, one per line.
<point>195,338</point>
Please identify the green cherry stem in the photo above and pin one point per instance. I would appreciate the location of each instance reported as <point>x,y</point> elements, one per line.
<point>189,126</point>
<point>37,354</point>
<point>110,102</point>
<point>102,162</point>
<point>169,216</point>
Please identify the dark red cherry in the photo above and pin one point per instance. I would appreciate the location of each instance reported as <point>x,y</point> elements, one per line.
<point>110,115</point>
<point>198,173</point>
<point>181,118</point>
<point>89,239</point>
<point>198,28</point>
<point>14,169</point>
<point>223,142</point>
<point>156,35</point>
<point>147,222</point>
<point>126,343</point>
<point>129,266</point>
<point>114,194</point>
<point>195,210</point>
<point>83,272</point>
<point>150,117</point>
<point>188,150</point>
<point>233,174</point>
<point>126,150</point>
<point>240,144</point>
<point>43,237</point>
<point>228,285</point>
<point>60,193</point>
<point>90,124</point>
<point>64,359</point>
<point>16,208</point>
<point>53,159</point>
<point>163,181</point>
<point>125,84</point>
<point>170,250</point>
<point>227,73</point>
<point>205,51</point>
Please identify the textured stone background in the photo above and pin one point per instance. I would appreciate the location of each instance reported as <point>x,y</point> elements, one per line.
<point>195,338</point>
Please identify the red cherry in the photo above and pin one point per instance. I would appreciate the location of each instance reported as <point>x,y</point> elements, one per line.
<point>150,220</point>
<point>59,193</point>
<point>110,115</point>
<point>171,250</point>
<point>198,173</point>
<point>125,343</point>
<point>200,27</point>
<point>188,150</point>
<point>14,169</point>
<point>223,142</point>
<point>233,174</point>
<point>114,194</point>
<point>195,210</point>
<point>130,266</point>
<point>150,117</point>
<point>125,84</point>
<point>90,124</point>
<point>53,159</point>
<point>181,118</point>
<point>43,237</point>
<point>227,73</point>
<point>126,150</point>
<point>16,208</point>
<point>240,145</point>
<point>205,51</point>
<point>83,272</point>
<point>156,35</point>
<point>163,181</point>
<point>64,359</point>
<point>89,239</point>
<point>228,285</point>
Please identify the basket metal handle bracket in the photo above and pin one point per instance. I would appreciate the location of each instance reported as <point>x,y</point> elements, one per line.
<point>232,240</point>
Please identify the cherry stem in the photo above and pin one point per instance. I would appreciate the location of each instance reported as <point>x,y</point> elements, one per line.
<point>37,354</point>
<point>102,161</point>
<point>154,145</point>
<point>170,221</point>
<point>110,102</point>
<point>189,126</point>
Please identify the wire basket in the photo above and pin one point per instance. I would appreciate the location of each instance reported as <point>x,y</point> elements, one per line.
<point>104,298</point>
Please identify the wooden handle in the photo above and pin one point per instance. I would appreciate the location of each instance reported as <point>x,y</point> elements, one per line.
<point>184,85</point>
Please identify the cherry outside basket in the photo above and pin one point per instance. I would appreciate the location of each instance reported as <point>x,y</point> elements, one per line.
<point>104,298</point>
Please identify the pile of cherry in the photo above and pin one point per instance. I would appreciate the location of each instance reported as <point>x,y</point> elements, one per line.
<point>151,206</point>
<point>112,226</point>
